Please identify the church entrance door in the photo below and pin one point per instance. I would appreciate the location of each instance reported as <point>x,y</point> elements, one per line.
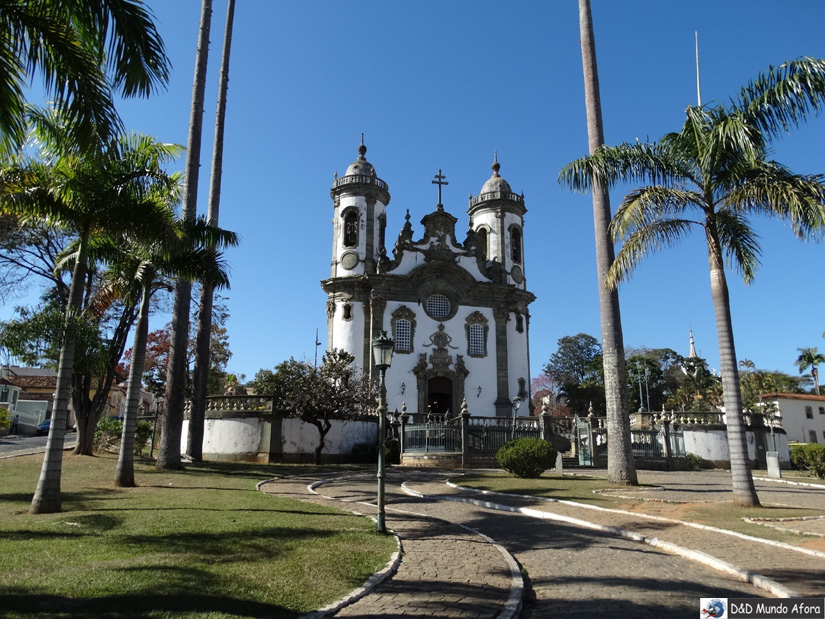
<point>440,395</point>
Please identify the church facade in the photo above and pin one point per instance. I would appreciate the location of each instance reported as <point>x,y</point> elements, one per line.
<point>457,311</point>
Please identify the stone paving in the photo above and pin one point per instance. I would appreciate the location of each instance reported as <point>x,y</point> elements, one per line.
<point>569,570</point>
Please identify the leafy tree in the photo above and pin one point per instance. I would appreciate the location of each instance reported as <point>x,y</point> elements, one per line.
<point>89,193</point>
<point>810,358</point>
<point>83,49</point>
<point>620,466</point>
<point>317,395</point>
<point>192,254</point>
<point>28,252</point>
<point>577,367</point>
<point>716,166</point>
<point>546,389</point>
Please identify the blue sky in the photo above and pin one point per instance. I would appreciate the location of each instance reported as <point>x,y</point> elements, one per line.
<point>441,85</point>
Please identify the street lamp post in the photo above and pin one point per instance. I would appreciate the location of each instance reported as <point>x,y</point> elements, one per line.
<point>382,347</point>
<point>516,406</point>
<point>158,405</point>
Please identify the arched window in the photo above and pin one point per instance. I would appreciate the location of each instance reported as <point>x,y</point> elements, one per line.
<point>403,331</point>
<point>481,235</point>
<point>477,327</point>
<point>515,245</point>
<point>403,327</point>
<point>351,229</point>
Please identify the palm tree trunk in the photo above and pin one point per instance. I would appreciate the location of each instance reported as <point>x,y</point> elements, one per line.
<point>169,450</point>
<point>620,466</point>
<point>194,442</point>
<point>744,492</point>
<point>125,472</point>
<point>47,498</point>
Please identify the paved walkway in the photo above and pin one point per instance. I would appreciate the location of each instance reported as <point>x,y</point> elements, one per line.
<point>570,567</point>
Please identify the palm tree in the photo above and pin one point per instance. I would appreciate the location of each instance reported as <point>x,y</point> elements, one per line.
<point>169,450</point>
<point>716,165</point>
<point>810,358</point>
<point>190,253</point>
<point>90,193</point>
<point>620,466</point>
<point>194,439</point>
<point>74,44</point>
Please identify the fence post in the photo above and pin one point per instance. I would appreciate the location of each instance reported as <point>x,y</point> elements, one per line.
<point>465,433</point>
<point>403,426</point>
<point>668,450</point>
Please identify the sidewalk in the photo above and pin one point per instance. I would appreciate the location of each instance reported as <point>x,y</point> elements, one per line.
<point>577,561</point>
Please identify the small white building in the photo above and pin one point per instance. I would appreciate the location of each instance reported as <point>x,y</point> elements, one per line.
<point>457,310</point>
<point>802,415</point>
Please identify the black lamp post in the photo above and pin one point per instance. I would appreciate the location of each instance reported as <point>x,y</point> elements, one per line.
<point>382,347</point>
<point>158,406</point>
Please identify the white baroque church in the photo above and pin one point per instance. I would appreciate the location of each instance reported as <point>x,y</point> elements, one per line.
<point>458,311</point>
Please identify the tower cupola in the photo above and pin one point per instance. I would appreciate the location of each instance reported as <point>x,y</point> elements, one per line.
<point>497,215</point>
<point>360,200</point>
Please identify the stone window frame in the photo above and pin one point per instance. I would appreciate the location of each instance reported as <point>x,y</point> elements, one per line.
<point>403,313</point>
<point>346,214</point>
<point>477,318</point>
<point>519,323</point>
<point>450,308</point>
<point>516,233</point>
<point>346,311</point>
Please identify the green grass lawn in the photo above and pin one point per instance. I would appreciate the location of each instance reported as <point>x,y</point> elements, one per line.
<point>581,488</point>
<point>199,543</point>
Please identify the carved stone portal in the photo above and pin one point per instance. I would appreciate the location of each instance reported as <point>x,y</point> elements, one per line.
<point>440,379</point>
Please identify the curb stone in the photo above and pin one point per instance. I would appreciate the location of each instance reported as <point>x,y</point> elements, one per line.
<point>371,583</point>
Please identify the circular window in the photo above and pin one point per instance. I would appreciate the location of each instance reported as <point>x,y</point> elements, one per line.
<point>438,306</point>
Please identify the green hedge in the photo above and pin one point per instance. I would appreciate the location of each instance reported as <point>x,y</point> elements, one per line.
<point>810,457</point>
<point>526,457</point>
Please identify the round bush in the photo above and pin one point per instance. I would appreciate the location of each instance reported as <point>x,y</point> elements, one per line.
<point>526,457</point>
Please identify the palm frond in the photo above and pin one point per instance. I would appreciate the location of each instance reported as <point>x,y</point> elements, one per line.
<point>648,163</point>
<point>775,191</point>
<point>646,205</point>
<point>644,241</point>
<point>739,242</point>
<point>782,97</point>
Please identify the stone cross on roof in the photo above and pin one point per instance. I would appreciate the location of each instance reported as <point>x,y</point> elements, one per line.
<point>439,181</point>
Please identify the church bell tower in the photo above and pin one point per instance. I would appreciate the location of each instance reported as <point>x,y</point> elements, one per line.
<point>497,218</point>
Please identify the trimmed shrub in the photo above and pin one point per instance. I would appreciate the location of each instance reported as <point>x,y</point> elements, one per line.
<point>526,457</point>
<point>809,456</point>
<point>143,432</point>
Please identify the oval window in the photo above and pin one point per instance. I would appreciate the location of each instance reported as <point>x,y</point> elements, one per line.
<point>438,306</point>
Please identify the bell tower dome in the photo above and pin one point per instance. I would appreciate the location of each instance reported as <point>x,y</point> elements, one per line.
<point>497,216</point>
<point>359,221</point>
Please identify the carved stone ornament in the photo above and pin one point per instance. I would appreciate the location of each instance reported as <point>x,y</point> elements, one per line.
<point>517,274</point>
<point>330,308</point>
<point>377,303</point>
<point>349,260</point>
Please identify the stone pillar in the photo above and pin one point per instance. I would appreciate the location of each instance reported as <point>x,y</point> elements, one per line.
<point>668,450</point>
<point>369,249</point>
<point>503,404</point>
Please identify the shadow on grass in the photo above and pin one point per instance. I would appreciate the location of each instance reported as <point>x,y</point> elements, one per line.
<point>144,604</point>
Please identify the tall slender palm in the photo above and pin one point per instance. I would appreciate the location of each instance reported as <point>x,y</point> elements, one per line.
<point>169,450</point>
<point>194,439</point>
<point>190,253</point>
<point>717,166</point>
<point>810,358</point>
<point>74,44</point>
<point>89,193</point>
<point>620,466</point>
